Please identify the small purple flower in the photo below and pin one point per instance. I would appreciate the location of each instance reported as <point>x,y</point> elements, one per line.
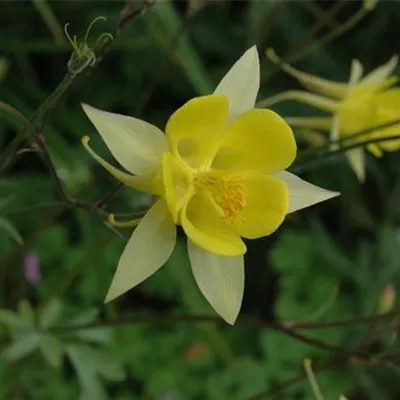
<point>32,268</point>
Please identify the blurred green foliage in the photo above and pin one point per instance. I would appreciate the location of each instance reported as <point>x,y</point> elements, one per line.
<point>330,262</point>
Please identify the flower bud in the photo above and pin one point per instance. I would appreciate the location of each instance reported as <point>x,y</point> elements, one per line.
<point>387,299</point>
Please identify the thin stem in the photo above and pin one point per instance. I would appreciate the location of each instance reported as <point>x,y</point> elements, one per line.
<point>243,321</point>
<point>311,378</point>
<point>301,43</point>
<point>103,202</point>
<point>44,152</point>
<point>70,81</point>
<point>313,152</point>
<point>50,20</point>
<point>47,108</point>
<point>280,387</point>
<point>316,342</point>
<point>33,208</point>
<point>329,154</point>
<point>339,31</point>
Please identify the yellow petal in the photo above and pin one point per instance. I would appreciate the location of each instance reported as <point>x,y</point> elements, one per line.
<point>194,130</point>
<point>135,144</point>
<point>177,182</point>
<point>375,150</point>
<point>357,162</point>
<point>204,224</point>
<point>311,82</point>
<point>267,203</point>
<point>147,250</point>
<point>257,139</point>
<point>387,110</point>
<point>241,83</point>
<point>303,194</point>
<point>145,184</point>
<point>381,73</point>
<point>220,279</point>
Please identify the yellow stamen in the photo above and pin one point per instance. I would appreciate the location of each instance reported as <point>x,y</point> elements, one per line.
<point>228,191</point>
<point>123,224</point>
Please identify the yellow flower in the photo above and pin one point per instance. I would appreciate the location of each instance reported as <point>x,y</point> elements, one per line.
<point>360,104</point>
<point>218,172</point>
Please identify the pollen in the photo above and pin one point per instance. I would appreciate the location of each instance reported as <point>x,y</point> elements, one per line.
<point>229,192</point>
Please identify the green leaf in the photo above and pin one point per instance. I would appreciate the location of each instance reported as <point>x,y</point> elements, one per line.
<point>26,312</point>
<point>101,335</point>
<point>258,11</point>
<point>52,350</point>
<point>293,248</point>
<point>240,380</point>
<point>7,226</point>
<point>13,321</point>
<point>4,202</point>
<point>51,313</point>
<point>164,23</point>
<point>102,363</point>
<point>107,366</point>
<point>92,387</point>
<point>372,389</point>
<point>85,317</point>
<point>22,347</point>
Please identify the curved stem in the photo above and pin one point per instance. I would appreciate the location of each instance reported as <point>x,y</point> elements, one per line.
<point>280,387</point>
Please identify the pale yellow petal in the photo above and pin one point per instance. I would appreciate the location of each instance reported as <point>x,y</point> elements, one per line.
<point>357,162</point>
<point>135,144</point>
<point>387,110</point>
<point>266,205</point>
<point>310,82</point>
<point>220,279</point>
<point>148,249</point>
<point>257,139</point>
<point>241,83</point>
<point>381,73</point>
<point>335,132</point>
<point>303,194</point>
<point>315,100</point>
<point>194,130</point>
<point>323,123</point>
<point>356,72</point>
<point>204,223</point>
<point>146,184</point>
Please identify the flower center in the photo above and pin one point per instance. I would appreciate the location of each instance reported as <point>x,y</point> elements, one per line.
<point>228,191</point>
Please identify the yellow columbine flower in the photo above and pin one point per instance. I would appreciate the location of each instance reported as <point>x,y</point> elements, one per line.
<point>218,172</point>
<point>360,104</point>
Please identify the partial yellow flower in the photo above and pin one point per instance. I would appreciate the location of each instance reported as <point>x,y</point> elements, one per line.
<point>360,104</point>
<point>218,171</point>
